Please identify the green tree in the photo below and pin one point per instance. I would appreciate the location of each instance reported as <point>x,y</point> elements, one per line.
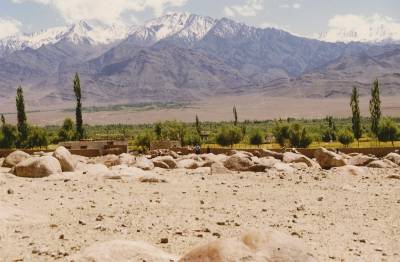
<point>67,132</point>
<point>144,139</point>
<point>235,116</point>
<point>198,126</point>
<point>329,133</point>
<point>9,136</point>
<point>3,120</point>
<point>356,117</point>
<point>78,111</point>
<point>256,137</point>
<point>299,137</point>
<point>345,137</point>
<point>281,133</point>
<point>228,135</point>
<point>192,138</point>
<point>37,138</point>
<point>158,129</point>
<point>387,130</point>
<point>22,125</point>
<point>375,108</point>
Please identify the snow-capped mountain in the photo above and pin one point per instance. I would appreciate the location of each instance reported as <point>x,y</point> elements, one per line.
<point>83,31</point>
<point>377,34</point>
<point>184,27</point>
<point>186,56</point>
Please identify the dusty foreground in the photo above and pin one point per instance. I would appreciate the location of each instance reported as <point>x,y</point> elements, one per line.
<point>339,216</point>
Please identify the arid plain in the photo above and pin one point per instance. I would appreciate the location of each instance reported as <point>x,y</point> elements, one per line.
<point>250,107</point>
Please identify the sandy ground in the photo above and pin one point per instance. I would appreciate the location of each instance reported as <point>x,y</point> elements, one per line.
<point>341,217</point>
<point>250,107</point>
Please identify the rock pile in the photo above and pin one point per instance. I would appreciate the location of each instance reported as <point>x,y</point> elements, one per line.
<point>125,165</point>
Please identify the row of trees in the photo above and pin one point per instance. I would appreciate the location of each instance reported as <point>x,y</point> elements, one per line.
<point>289,133</point>
<point>25,136</point>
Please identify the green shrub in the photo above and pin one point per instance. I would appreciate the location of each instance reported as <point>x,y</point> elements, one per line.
<point>67,131</point>
<point>299,137</point>
<point>9,136</point>
<point>387,130</point>
<point>228,135</point>
<point>145,138</point>
<point>256,137</point>
<point>346,137</point>
<point>281,133</point>
<point>37,138</point>
<point>192,138</point>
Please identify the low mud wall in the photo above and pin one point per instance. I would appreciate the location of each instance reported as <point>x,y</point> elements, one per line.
<point>376,151</point>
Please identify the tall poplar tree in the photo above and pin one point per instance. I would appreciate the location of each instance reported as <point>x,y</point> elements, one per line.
<point>356,118</point>
<point>22,125</point>
<point>375,108</point>
<point>198,125</point>
<point>235,116</point>
<point>78,111</point>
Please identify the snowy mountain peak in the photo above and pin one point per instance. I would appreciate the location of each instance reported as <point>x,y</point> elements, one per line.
<point>185,26</point>
<point>77,33</point>
<point>372,34</point>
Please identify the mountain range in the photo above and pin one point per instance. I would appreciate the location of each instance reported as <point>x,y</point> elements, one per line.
<point>184,57</point>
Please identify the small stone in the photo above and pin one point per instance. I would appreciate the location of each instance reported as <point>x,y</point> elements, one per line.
<point>10,191</point>
<point>164,240</point>
<point>320,198</point>
<point>216,234</point>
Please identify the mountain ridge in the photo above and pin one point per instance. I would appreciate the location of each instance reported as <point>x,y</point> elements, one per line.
<point>184,56</point>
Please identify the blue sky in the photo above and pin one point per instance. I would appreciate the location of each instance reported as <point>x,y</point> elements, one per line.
<point>303,17</point>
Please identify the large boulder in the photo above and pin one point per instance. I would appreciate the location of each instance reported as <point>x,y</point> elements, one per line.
<point>382,164</point>
<point>109,160</point>
<point>394,157</point>
<point>94,169</point>
<point>167,162</point>
<point>38,167</point>
<point>189,164</point>
<point>270,153</point>
<point>360,160</point>
<point>68,163</point>
<point>14,158</point>
<point>284,168</point>
<point>268,245</point>
<point>212,158</point>
<point>144,163</point>
<point>328,159</point>
<point>123,250</point>
<point>126,159</point>
<point>267,161</point>
<point>218,168</point>
<point>238,162</point>
<point>289,157</point>
<point>163,152</point>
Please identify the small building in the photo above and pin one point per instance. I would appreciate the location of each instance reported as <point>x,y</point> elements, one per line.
<point>204,135</point>
<point>103,147</point>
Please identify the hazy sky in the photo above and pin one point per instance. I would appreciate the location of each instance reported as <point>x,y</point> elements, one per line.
<point>303,17</point>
